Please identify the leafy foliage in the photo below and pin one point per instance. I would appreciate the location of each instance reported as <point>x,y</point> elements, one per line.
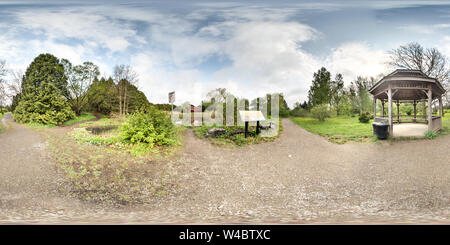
<point>430,134</point>
<point>321,112</point>
<point>79,78</point>
<point>299,112</point>
<point>102,97</point>
<point>364,117</point>
<point>45,69</point>
<point>44,92</point>
<point>320,90</point>
<point>149,126</point>
<point>44,105</point>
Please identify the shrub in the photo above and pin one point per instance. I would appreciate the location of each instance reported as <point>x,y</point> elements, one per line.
<point>45,105</point>
<point>149,126</point>
<point>364,117</point>
<point>321,112</point>
<point>299,112</point>
<point>430,134</point>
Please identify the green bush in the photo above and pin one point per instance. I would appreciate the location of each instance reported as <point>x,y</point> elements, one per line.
<point>321,112</point>
<point>299,112</point>
<point>446,112</point>
<point>430,134</point>
<point>149,126</point>
<point>364,117</point>
<point>3,110</point>
<point>44,105</point>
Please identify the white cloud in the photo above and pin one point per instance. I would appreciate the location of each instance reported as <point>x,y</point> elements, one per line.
<point>64,23</point>
<point>267,57</point>
<point>355,59</point>
<point>444,46</point>
<point>425,29</point>
<point>262,47</point>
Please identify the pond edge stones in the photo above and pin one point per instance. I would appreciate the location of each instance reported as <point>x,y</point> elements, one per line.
<point>214,132</point>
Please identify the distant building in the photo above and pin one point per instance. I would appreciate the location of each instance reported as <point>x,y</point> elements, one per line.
<point>196,108</point>
<point>196,116</point>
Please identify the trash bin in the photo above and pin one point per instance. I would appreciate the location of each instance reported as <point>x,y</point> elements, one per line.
<point>381,130</point>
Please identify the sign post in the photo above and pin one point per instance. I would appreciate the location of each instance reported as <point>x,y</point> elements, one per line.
<point>172,98</point>
<point>251,116</point>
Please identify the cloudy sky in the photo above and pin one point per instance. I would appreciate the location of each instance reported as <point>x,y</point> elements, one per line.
<point>250,47</point>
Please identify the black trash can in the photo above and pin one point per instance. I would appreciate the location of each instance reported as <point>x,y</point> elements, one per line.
<point>381,130</point>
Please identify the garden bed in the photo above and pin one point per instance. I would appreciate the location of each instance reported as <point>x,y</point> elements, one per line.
<point>234,135</point>
<point>103,167</point>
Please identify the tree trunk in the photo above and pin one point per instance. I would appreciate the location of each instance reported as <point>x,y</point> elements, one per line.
<point>120,99</point>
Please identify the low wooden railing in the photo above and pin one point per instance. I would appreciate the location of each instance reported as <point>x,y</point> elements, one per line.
<point>436,123</point>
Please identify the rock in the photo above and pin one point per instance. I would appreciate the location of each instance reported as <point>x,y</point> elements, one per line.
<point>214,132</point>
<point>237,131</point>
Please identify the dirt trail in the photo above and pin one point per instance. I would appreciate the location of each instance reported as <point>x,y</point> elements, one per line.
<point>298,178</point>
<point>30,187</point>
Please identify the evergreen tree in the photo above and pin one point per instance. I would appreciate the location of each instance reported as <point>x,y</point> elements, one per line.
<point>44,93</point>
<point>337,93</point>
<point>320,90</point>
<point>45,68</point>
<point>44,105</point>
<point>102,96</point>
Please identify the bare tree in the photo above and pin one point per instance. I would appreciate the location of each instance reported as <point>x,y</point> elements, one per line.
<point>79,79</point>
<point>123,76</point>
<point>430,61</point>
<point>3,92</point>
<point>15,85</point>
<point>219,95</point>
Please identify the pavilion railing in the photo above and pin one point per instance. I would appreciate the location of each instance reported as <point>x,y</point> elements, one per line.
<point>403,118</point>
<point>436,123</point>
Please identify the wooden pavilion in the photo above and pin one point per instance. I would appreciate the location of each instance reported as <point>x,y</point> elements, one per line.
<point>411,86</point>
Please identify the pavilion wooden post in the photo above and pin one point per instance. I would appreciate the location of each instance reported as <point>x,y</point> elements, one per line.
<point>382,108</point>
<point>430,115</point>
<point>415,111</point>
<point>398,111</point>
<point>391,128</point>
<point>246,130</point>
<point>424,110</point>
<point>441,107</point>
<point>374,107</point>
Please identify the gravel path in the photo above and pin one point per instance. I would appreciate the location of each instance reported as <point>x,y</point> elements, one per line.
<point>299,178</point>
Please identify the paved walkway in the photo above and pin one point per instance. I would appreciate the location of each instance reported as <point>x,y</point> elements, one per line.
<point>410,129</point>
<point>299,178</point>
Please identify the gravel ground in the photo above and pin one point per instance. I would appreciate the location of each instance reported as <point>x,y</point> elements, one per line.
<point>298,178</point>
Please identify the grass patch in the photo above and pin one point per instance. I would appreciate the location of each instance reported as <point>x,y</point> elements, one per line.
<point>85,116</point>
<point>1,124</point>
<point>35,125</point>
<point>445,130</point>
<point>344,129</point>
<point>338,129</point>
<point>105,121</point>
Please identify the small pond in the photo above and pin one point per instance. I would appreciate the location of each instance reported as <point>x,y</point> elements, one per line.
<point>101,129</point>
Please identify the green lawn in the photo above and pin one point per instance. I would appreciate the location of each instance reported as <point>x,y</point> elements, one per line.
<point>1,124</point>
<point>445,124</point>
<point>85,116</point>
<point>338,129</point>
